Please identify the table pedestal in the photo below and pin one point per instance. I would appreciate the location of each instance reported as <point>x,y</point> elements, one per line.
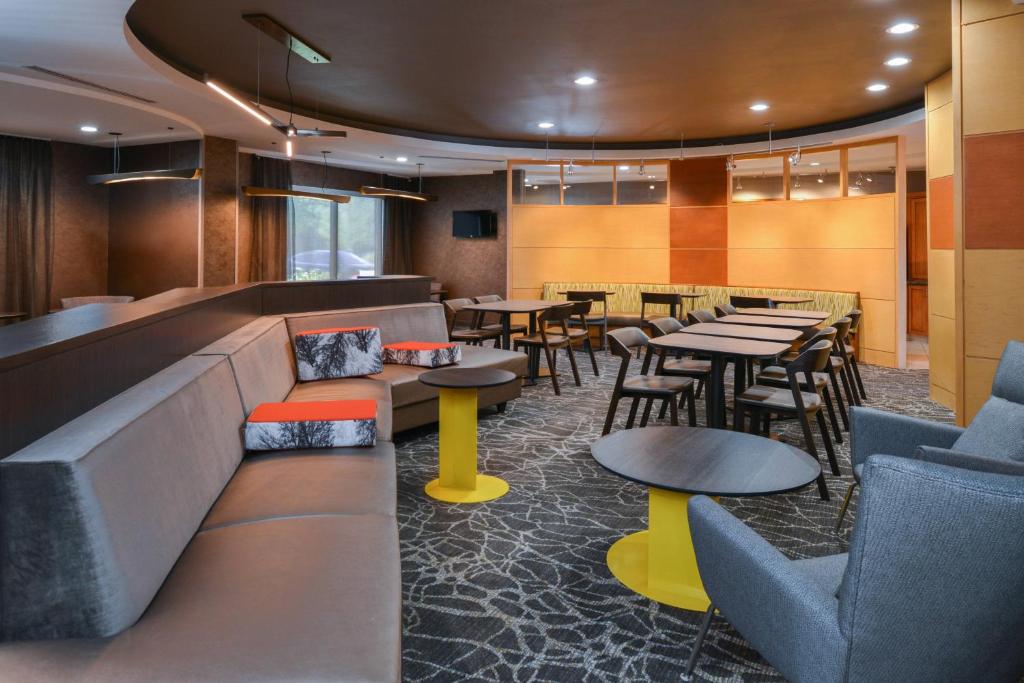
<point>458,481</point>
<point>660,563</point>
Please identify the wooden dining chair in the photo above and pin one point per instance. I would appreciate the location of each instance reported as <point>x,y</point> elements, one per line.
<point>725,309</point>
<point>492,321</point>
<point>776,376</point>
<point>763,402</point>
<point>580,334</point>
<point>694,317</point>
<point>855,316</point>
<point>464,326</point>
<point>621,342</point>
<point>841,362</point>
<point>678,365</point>
<point>544,340</point>
<point>596,318</point>
<point>751,301</point>
<point>666,299</point>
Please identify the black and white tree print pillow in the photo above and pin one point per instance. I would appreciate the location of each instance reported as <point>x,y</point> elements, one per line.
<point>338,352</point>
<point>423,354</point>
<point>313,424</point>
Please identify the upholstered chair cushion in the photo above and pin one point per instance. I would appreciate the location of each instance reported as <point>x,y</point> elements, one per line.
<point>997,431</point>
<point>313,424</point>
<point>423,354</point>
<point>337,352</point>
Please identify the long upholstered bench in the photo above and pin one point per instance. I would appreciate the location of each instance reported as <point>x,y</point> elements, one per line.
<point>138,544</point>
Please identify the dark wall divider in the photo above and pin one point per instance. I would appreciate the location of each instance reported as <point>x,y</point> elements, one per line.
<point>57,367</point>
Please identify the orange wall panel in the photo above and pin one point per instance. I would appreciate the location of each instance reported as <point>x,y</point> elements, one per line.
<point>698,182</point>
<point>993,200</point>
<point>699,266</point>
<point>940,212</point>
<point>699,227</point>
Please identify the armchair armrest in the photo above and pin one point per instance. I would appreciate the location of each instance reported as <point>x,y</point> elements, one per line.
<point>969,461</point>
<point>791,620</point>
<point>875,431</point>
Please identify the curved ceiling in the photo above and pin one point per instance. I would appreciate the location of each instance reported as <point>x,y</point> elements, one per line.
<point>488,72</point>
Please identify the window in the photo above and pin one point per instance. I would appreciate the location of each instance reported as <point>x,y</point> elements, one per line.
<point>331,241</point>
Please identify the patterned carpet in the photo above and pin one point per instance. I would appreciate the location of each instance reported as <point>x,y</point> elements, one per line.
<point>518,590</point>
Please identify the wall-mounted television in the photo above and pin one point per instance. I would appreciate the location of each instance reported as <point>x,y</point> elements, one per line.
<point>474,224</point>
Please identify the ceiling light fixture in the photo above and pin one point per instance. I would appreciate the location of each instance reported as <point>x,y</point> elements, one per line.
<point>877,87</point>
<point>136,176</point>
<point>794,158</point>
<point>897,61</point>
<point>815,163</point>
<point>624,167</point>
<point>759,106</point>
<point>89,129</point>
<point>401,160</point>
<point>288,148</point>
<point>650,187</point>
<point>273,192</point>
<point>901,28</point>
<point>419,196</point>
<point>250,109</point>
<point>739,183</point>
<point>544,125</point>
<point>585,80</point>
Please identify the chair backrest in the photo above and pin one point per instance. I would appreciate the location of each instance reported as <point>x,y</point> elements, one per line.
<point>556,317</point>
<point>486,318</point>
<point>666,299</point>
<point>932,588</point>
<point>855,315</point>
<point>487,298</point>
<point>621,342</point>
<point>826,333</point>
<point>458,318</point>
<point>598,297</point>
<point>997,430</point>
<point>663,326</point>
<point>813,359</point>
<point>842,331</point>
<point>75,301</point>
<point>751,301</point>
<point>725,309</point>
<point>700,317</point>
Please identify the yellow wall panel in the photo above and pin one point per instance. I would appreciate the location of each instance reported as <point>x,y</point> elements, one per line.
<point>978,374</point>
<point>531,268</point>
<point>872,272</point>
<point>590,226</point>
<point>939,91</point>
<point>941,276</point>
<point>882,358</point>
<point>527,293</point>
<point>980,10</point>
<point>942,353</point>
<point>993,289</point>
<point>862,222</point>
<point>939,131</point>
<point>943,397</point>
<point>878,326</point>
<point>993,75</point>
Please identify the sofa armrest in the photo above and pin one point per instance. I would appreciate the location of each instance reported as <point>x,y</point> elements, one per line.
<point>969,461</point>
<point>792,621</point>
<point>875,431</point>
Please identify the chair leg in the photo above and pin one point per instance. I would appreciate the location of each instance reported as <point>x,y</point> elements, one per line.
<point>612,407</point>
<point>593,358</point>
<point>856,374</point>
<point>813,450</point>
<point>823,428</point>
<point>691,407</point>
<point>826,396</point>
<point>632,413</point>
<point>648,404</point>
<point>705,625</point>
<point>663,411</point>
<point>551,367</point>
<point>674,411</point>
<point>700,387</point>
<point>501,407</point>
<point>738,414</point>
<point>572,363</point>
<point>838,395</point>
<point>846,504</point>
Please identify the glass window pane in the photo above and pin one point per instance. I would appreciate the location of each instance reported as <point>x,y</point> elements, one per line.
<point>816,176</point>
<point>535,183</point>
<point>309,243</point>
<point>872,169</point>
<point>588,185</point>
<point>359,224</point>
<point>649,187</point>
<point>757,179</point>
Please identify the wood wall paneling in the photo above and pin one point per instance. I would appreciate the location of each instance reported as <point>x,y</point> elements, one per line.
<point>626,227</point>
<point>940,213</point>
<point>220,184</point>
<point>917,309</point>
<point>699,227</point>
<point>993,290</point>
<point>978,375</point>
<point>852,223</point>
<point>698,182</point>
<point>993,197</point>
<point>941,274</point>
<point>982,10</point>
<point>878,325</point>
<point>992,78</point>
<point>939,92</point>
<point>532,267</point>
<point>917,238</point>
<point>699,266</point>
<point>942,353</point>
<point>939,133</point>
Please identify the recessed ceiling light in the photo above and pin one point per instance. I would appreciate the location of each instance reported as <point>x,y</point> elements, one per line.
<point>545,125</point>
<point>897,61</point>
<point>815,163</point>
<point>877,87</point>
<point>651,187</point>
<point>88,129</point>
<point>585,80</point>
<point>401,160</point>
<point>759,106</point>
<point>902,27</point>
<point>623,168</point>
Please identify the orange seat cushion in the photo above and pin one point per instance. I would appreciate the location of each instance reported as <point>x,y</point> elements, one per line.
<point>320,411</point>
<point>419,346</point>
<point>333,330</point>
<point>422,354</point>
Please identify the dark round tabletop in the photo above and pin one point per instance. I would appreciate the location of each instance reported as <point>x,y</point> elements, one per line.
<point>713,462</point>
<point>467,378</point>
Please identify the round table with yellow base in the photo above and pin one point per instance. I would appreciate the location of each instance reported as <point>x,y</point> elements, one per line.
<point>676,463</point>
<point>458,480</point>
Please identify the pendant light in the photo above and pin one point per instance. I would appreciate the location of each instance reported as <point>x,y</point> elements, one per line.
<point>276,192</point>
<point>419,195</point>
<point>116,177</point>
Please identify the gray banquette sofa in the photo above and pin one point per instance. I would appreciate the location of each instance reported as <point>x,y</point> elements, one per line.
<point>138,545</point>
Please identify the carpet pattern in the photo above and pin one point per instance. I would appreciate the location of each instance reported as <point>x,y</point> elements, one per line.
<point>517,589</point>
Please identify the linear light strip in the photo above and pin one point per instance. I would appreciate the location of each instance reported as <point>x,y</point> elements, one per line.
<point>251,110</point>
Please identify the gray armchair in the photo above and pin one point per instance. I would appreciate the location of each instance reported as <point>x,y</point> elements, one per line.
<point>996,433</point>
<point>930,590</point>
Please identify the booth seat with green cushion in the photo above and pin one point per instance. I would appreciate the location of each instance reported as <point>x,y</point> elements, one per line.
<point>136,544</point>
<point>624,304</point>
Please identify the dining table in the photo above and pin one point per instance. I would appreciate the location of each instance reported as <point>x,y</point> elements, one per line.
<point>755,332</point>
<point>781,313</point>
<point>720,350</point>
<point>783,300</point>
<point>506,309</point>
<point>769,321</point>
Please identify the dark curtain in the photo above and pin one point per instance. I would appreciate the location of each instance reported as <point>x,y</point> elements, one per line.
<point>397,228</point>
<point>269,221</point>
<point>26,222</point>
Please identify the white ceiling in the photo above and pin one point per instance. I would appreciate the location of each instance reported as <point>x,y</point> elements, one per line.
<point>89,41</point>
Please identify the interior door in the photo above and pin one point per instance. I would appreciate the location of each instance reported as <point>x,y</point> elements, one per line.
<point>917,263</point>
